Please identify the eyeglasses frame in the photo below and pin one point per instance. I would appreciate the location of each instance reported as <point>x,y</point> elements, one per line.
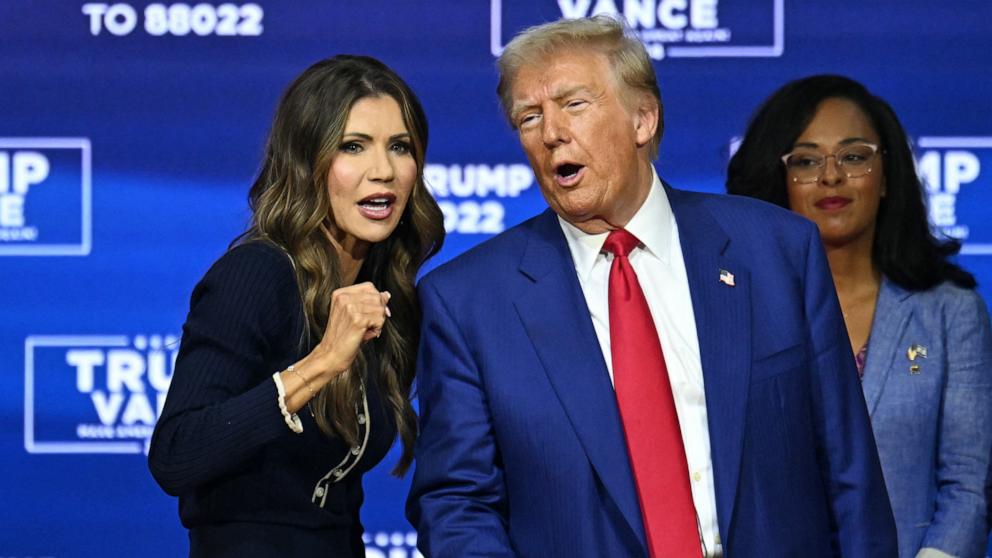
<point>821,168</point>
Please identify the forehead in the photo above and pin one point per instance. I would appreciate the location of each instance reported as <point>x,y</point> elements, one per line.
<point>549,75</point>
<point>381,112</point>
<point>837,119</point>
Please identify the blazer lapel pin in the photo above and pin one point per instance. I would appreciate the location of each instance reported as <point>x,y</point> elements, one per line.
<point>727,278</point>
<point>914,352</point>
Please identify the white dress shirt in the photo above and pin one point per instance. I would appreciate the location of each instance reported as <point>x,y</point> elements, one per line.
<point>661,273</point>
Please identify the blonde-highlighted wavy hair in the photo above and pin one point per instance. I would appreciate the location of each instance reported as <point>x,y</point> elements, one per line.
<point>291,208</point>
<point>631,66</point>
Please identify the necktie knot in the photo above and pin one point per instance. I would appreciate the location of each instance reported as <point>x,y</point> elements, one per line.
<point>620,243</point>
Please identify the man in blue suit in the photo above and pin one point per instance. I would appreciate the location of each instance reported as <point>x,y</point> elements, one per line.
<point>638,371</point>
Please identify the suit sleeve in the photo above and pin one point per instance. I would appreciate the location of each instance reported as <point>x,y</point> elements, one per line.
<point>222,405</point>
<point>958,526</point>
<point>862,521</point>
<point>457,500</point>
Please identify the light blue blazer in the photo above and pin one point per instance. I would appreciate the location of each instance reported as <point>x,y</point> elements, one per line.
<point>933,425</point>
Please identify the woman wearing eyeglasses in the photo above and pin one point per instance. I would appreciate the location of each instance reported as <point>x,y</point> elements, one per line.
<point>831,151</point>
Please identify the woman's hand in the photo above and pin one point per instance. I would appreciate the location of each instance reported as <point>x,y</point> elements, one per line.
<point>357,314</point>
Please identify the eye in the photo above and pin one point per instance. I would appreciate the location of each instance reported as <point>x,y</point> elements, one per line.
<point>856,155</point>
<point>401,148</point>
<point>350,147</point>
<point>576,103</point>
<point>802,160</point>
<point>528,120</point>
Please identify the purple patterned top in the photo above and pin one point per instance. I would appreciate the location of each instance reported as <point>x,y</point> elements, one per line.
<point>860,359</point>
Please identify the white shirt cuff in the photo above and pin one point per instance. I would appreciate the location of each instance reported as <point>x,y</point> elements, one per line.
<point>929,552</point>
<point>292,420</point>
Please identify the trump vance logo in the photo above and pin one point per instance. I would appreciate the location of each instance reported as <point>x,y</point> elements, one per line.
<point>94,393</point>
<point>668,28</point>
<point>957,191</point>
<point>45,198</point>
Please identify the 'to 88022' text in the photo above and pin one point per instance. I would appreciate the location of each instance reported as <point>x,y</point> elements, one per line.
<point>177,19</point>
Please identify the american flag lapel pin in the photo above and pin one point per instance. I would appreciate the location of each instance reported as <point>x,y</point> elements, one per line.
<point>727,278</point>
<point>915,351</point>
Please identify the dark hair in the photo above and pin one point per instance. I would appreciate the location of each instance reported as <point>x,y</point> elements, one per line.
<point>905,249</point>
<point>291,208</point>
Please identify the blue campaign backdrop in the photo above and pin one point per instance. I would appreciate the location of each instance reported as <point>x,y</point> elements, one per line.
<point>130,133</point>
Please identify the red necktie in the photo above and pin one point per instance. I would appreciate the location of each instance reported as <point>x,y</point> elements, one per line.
<point>650,422</point>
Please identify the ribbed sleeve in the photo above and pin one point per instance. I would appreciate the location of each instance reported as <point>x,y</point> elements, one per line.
<point>222,405</point>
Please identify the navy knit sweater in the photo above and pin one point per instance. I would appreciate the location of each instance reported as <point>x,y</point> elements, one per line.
<point>243,478</point>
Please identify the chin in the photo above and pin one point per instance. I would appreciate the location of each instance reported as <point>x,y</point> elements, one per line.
<point>570,214</point>
<point>375,238</point>
<point>576,208</point>
<point>837,238</point>
<point>370,233</point>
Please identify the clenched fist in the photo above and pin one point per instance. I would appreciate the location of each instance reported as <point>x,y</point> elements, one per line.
<point>357,314</point>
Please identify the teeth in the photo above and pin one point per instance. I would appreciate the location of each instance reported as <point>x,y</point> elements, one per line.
<point>375,202</point>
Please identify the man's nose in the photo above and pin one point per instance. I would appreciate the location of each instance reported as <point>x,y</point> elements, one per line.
<point>554,130</point>
<point>832,173</point>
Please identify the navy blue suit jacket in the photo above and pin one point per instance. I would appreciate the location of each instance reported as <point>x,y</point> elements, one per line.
<point>522,451</point>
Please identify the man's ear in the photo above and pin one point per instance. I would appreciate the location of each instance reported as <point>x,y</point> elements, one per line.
<point>645,120</point>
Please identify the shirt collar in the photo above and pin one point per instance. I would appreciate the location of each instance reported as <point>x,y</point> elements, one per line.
<point>655,211</point>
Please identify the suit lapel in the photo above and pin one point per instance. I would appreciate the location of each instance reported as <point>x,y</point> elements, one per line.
<point>556,318</point>
<point>723,326</point>
<point>892,313</point>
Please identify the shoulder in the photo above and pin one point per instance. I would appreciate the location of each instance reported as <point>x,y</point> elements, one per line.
<point>491,259</point>
<point>766,235</point>
<point>250,290</point>
<point>253,256</point>
<point>741,213</point>
<point>256,270</point>
<point>952,301</point>
<point>253,260</point>
<point>945,309</point>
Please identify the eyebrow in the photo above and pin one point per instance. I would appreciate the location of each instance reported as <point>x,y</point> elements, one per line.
<point>366,137</point>
<point>847,141</point>
<point>558,96</point>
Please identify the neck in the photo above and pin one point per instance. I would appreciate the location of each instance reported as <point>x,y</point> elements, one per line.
<point>622,215</point>
<point>852,268</point>
<point>351,254</point>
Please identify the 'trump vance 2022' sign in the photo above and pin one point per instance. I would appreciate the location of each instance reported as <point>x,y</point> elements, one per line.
<point>94,393</point>
<point>668,28</point>
<point>45,197</point>
<point>957,190</point>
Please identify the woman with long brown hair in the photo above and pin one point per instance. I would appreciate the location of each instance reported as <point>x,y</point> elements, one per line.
<point>294,373</point>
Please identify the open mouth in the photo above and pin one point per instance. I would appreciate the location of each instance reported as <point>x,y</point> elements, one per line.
<point>568,170</point>
<point>568,174</point>
<point>378,202</point>
<point>377,206</point>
